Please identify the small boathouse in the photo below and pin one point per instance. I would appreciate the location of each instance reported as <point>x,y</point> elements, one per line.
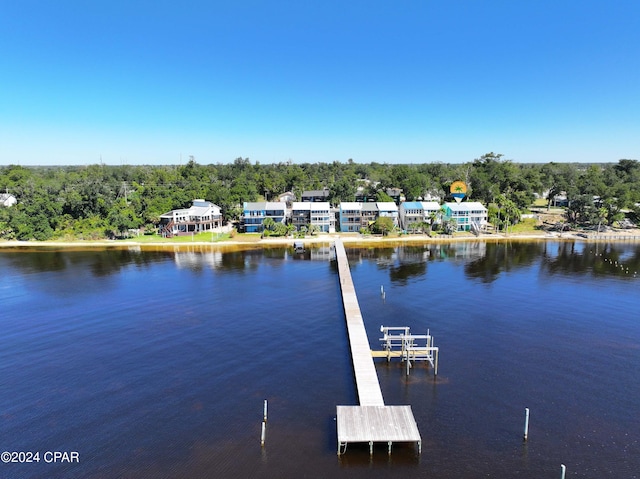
<point>372,421</point>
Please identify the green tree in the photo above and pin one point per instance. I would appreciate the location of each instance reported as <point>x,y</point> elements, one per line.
<point>122,218</point>
<point>268,224</point>
<point>383,225</point>
<point>383,197</point>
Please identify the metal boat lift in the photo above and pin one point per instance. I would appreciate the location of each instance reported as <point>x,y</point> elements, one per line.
<point>397,342</point>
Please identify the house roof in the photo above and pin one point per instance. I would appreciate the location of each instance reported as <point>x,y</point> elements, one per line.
<point>387,206</point>
<point>430,205</point>
<point>301,205</point>
<point>466,206</point>
<point>412,205</point>
<point>350,205</point>
<point>7,199</point>
<point>199,208</point>
<point>265,205</point>
<point>310,206</point>
<point>324,193</point>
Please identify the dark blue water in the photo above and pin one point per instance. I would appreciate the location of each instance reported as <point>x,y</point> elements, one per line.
<point>155,364</point>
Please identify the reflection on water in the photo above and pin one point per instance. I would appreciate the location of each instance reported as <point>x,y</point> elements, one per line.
<point>156,363</point>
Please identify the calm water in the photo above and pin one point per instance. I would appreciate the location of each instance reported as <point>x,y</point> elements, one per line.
<point>156,364</point>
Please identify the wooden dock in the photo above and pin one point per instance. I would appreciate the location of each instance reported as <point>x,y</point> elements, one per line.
<point>371,421</point>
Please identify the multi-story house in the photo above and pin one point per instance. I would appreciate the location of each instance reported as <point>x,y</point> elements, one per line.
<point>469,215</point>
<point>201,216</point>
<point>411,212</point>
<point>368,214</point>
<point>350,217</point>
<point>389,209</point>
<point>304,214</point>
<point>254,214</point>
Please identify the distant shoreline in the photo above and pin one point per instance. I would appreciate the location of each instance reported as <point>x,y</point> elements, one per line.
<point>350,239</point>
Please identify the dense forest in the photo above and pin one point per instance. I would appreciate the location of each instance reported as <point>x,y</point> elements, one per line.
<point>98,201</point>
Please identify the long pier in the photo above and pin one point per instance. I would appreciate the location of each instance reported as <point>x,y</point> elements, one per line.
<point>372,421</point>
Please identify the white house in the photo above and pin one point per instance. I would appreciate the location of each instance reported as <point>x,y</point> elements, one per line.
<point>411,212</point>
<point>201,216</point>
<point>389,209</point>
<point>469,215</point>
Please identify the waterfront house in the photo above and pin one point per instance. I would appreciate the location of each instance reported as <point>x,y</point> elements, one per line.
<point>411,212</point>
<point>254,214</point>
<point>388,209</point>
<point>469,215</point>
<point>200,217</point>
<point>350,216</point>
<point>318,214</point>
<point>368,214</point>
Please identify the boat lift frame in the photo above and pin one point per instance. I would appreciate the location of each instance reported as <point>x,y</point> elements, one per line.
<point>398,342</point>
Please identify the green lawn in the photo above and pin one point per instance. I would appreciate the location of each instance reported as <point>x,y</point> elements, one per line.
<point>527,225</point>
<point>200,237</point>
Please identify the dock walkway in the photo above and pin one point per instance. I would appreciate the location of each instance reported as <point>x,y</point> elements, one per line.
<point>370,422</point>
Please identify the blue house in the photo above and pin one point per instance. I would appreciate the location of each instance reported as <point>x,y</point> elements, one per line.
<point>254,214</point>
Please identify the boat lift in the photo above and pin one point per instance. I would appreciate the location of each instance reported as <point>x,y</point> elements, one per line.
<point>398,342</point>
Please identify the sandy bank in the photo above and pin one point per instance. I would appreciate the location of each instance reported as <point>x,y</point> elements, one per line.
<point>352,239</point>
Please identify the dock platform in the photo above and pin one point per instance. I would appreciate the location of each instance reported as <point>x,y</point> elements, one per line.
<point>376,424</point>
<point>370,422</point>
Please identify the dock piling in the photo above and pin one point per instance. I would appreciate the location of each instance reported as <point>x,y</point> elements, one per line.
<point>526,423</point>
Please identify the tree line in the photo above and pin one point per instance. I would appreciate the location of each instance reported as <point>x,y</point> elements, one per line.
<point>98,201</point>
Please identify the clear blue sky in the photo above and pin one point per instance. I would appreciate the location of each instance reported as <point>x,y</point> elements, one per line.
<point>151,82</point>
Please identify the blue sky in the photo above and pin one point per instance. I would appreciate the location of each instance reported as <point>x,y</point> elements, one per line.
<point>153,82</point>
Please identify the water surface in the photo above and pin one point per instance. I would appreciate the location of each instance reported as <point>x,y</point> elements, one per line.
<point>156,364</point>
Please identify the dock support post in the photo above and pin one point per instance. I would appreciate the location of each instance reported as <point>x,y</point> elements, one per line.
<point>264,414</point>
<point>435,371</point>
<point>408,362</point>
<point>262,435</point>
<point>526,423</point>
<point>389,444</point>
<point>371,448</point>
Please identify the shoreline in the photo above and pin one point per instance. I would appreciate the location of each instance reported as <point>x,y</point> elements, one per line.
<point>347,238</point>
